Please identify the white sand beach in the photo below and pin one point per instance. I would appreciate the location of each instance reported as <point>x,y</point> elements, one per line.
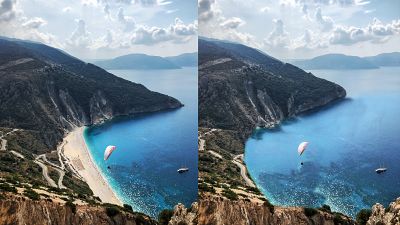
<point>78,154</point>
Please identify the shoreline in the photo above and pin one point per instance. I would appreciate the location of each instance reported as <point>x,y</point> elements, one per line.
<point>80,158</point>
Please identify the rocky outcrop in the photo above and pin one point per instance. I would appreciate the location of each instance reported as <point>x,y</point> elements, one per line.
<point>382,216</point>
<point>253,89</point>
<point>184,216</point>
<point>19,210</point>
<point>222,211</point>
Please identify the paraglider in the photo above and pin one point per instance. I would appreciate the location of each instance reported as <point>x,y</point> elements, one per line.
<point>302,147</point>
<point>107,153</point>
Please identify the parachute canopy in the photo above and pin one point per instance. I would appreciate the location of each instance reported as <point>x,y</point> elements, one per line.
<point>302,147</point>
<point>108,151</point>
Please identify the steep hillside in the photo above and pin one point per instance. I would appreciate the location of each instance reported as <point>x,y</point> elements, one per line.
<point>241,88</point>
<point>43,89</point>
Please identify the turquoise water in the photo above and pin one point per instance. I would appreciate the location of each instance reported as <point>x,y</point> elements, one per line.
<point>150,148</point>
<point>348,141</point>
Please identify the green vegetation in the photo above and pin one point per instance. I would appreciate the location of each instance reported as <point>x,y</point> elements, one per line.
<point>309,212</point>
<point>71,205</point>
<point>269,205</point>
<point>203,187</point>
<point>128,207</point>
<point>165,216</point>
<point>229,194</point>
<point>30,193</point>
<point>363,216</point>
<point>325,208</point>
<point>7,188</point>
<point>112,211</point>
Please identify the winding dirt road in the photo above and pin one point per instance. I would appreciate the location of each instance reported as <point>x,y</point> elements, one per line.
<point>237,160</point>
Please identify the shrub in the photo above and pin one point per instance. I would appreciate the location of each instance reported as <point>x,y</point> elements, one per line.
<point>337,219</point>
<point>363,216</point>
<point>128,207</point>
<point>269,205</point>
<point>165,216</point>
<point>112,211</point>
<point>8,188</point>
<point>309,212</point>
<point>31,194</point>
<point>326,208</point>
<point>230,194</point>
<point>71,205</point>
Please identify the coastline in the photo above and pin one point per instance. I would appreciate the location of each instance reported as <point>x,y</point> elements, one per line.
<point>79,157</point>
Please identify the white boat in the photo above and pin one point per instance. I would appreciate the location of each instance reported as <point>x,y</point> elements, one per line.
<point>183,170</point>
<point>381,170</point>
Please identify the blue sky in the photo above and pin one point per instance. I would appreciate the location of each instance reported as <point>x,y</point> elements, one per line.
<point>290,29</point>
<point>104,28</point>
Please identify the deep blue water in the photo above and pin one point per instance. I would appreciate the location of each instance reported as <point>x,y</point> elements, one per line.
<point>348,141</point>
<point>151,147</point>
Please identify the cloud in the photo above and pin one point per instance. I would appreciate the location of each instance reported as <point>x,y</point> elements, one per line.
<point>80,37</point>
<point>66,9</point>
<point>265,9</point>
<point>206,10</point>
<point>177,33</point>
<point>127,21</point>
<point>325,22</point>
<point>232,23</point>
<point>106,10</point>
<point>7,10</point>
<point>35,23</point>
<point>376,32</point>
<point>279,37</point>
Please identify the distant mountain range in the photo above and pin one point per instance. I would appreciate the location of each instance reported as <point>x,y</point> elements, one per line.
<point>148,62</point>
<point>345,62</point>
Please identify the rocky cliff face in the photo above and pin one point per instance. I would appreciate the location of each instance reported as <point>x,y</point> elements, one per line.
<point>18,210</point>
<point>222,211</point>
<point>184,216</point>
<point>241,88</point>
<point>44,89</point>
<point>382,216</point>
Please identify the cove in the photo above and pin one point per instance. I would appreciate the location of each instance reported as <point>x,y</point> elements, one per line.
<point>348,141</point>
<point>151,147</point>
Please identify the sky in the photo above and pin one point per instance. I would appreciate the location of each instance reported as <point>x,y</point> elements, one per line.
<point>102,29</point>
<point>300,29</point>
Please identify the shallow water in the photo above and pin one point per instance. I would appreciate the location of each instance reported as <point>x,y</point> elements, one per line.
<point>150,148</point>
<point>348,141</point>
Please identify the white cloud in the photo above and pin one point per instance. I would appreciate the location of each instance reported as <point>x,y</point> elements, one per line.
<point>265,9</point>
<point>80,38</point>
<point>7,10</point>
<point>127,21</point>
<point>66,9</point>
<point>35,23</point>
<point>279,37</point>
<point>375,32</point>
<point>206,10</point>
<point>177,33</point>
<point>325,22</point>
<point>232,23</point>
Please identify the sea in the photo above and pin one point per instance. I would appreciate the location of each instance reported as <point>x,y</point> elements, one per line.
<point>151,147</point>
<point>348,141</point>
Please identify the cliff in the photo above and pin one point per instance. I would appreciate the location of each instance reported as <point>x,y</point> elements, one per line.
<point>241,88</point>
<point>390,215</point>
<point>19,210</point>
<point>46,90</point>
<point>221,211</point>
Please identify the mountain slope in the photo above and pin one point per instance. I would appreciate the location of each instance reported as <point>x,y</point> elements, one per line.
<point>335,62</point>
<point>385,59</point>
<point>137,62</point>
<point>46,90</point>
<point>241,88</point>
<point>184,60</point>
